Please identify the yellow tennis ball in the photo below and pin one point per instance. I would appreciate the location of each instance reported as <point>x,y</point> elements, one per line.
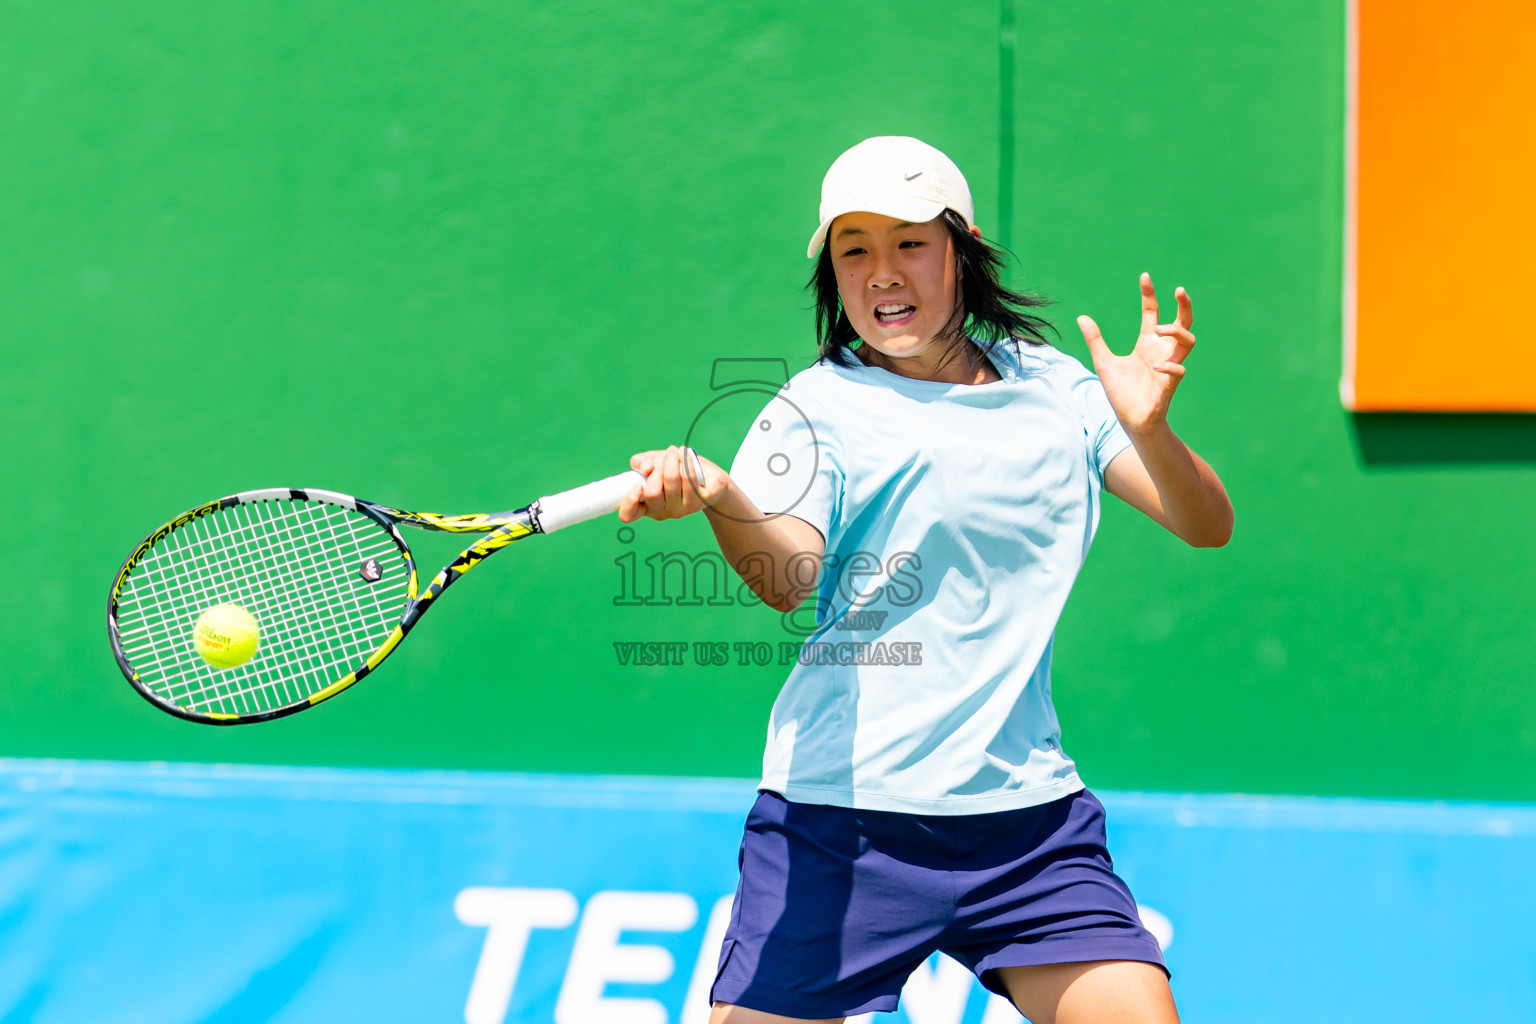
<point>226,635</point>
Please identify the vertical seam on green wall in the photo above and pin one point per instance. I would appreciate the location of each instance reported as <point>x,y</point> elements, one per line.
<point>1006,43</point>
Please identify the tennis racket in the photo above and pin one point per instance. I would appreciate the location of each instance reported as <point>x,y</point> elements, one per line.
<point>327,577</point>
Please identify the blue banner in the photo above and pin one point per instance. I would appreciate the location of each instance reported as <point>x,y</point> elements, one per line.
<point>218,894</point>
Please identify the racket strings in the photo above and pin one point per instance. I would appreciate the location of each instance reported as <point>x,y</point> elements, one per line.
<point>353,644</point>
<point>278,568</point>
<point>314,661</point>
<point>176,565</point>
<point>294,565</point>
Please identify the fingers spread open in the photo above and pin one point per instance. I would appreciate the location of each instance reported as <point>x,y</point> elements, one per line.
<point>1183,340</point>
<point>1186,307</point>
<point>1093,336</point>
<point>1148,304</point>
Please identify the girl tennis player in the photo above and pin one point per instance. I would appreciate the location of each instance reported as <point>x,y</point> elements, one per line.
<point>940,464</point>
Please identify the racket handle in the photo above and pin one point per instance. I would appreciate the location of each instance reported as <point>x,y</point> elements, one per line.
<point>586,502</point>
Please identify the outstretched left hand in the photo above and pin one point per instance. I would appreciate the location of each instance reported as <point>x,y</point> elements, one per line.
<point>1141,385</point>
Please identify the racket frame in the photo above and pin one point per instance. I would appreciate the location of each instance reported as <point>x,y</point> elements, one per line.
<point>499,530</point>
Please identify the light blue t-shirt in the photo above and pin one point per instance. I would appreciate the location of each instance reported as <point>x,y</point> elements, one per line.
<point>956,518</point>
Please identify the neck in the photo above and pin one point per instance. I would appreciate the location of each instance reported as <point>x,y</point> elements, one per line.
<point>962,364</point>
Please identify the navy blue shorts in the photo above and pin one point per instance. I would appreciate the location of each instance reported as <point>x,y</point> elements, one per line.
<point>837,907</point>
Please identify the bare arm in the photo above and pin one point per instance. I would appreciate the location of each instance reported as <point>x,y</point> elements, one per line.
<point>778,556</point>
<point>1182,494</point>
<point>1159,475</point>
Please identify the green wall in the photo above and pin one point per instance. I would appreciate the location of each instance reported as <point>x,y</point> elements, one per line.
<point>455,257</point>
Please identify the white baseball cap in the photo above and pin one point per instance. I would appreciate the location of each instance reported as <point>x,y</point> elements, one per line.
<point>895,176</point>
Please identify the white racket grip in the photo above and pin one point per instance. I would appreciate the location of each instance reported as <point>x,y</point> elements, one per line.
<point>588,501</point>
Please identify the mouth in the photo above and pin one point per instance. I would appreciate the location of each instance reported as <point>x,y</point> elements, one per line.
<point>892,313</point>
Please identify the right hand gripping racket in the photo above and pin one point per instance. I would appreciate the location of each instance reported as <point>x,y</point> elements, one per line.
<point>327,577</point>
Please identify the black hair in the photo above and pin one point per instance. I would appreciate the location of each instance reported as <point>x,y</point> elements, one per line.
<point>985,310</point>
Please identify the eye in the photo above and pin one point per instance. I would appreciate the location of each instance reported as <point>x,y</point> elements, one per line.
<point>855,251</point>
<point>911,243</point>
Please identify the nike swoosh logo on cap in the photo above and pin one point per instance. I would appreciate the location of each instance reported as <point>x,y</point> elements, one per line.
<point>909,177</point>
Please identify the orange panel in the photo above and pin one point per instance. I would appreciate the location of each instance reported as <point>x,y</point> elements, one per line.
<point>1441,259</point>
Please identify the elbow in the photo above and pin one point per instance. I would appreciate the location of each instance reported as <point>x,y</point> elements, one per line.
<point>781,601</point>
<point>1215,535</point>
<point>785,604</point>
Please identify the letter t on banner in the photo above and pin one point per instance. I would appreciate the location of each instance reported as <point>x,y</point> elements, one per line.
<point>600,958</point>
<point>510,916</point>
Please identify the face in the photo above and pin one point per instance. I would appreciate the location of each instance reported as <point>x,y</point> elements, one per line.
<point>897,283</point>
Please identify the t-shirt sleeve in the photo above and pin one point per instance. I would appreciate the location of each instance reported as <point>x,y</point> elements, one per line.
<point>1106,437</point>
<point>788,461</point>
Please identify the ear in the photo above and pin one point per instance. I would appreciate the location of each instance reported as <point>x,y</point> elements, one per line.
<point>976,230</point>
